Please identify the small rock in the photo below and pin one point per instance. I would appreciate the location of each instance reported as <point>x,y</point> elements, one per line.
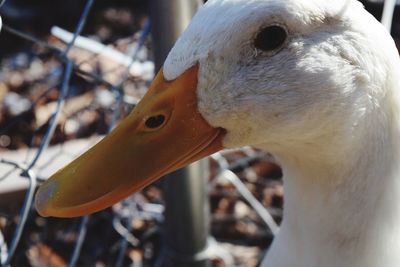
<point>16,80</point>
<point>104,98</point>
<point>241,209</point>
<point>5,140</point>
<point>16,104</point>
<point>36,70</point>
<point>21,60</point>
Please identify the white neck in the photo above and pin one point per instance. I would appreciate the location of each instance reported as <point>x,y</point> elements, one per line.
<point>345,213</point>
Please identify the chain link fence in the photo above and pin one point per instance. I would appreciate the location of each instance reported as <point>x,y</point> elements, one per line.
<point>242,182</point>
<point>25,238</point>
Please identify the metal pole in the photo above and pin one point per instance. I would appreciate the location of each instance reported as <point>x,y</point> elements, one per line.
<point>186,211</point>
<point>387,15</point>
<point>169,18</point>
<point>186,229</point>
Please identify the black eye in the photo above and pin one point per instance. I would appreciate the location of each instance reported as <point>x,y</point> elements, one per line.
<point>270,38</point>
<point>155,121</point>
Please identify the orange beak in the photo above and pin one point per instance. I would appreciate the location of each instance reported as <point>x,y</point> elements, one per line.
<point>163,133</point>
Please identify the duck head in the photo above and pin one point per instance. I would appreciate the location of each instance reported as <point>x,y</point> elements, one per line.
<point>288,76</point>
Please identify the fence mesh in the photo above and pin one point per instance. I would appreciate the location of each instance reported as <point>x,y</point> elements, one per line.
<point>82,94</point>
<point>130,233</point>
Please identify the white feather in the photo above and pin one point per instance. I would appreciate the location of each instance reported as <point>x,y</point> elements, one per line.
<point>326,105</point>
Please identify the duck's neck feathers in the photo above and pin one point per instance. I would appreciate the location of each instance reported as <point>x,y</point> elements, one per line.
<point>344,201</point>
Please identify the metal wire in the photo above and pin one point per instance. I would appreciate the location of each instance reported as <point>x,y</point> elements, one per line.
<point>146,211</point>
<point>3,248</point>
<point>257,206</point>
<point>54,118</point>
<point>28,172</point>
<point>24,215</point>
<point>387,15</point>
<point>79,242</point>
<point>80,25</point>
<point>69,66</point>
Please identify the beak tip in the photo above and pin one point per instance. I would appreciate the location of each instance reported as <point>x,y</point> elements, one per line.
<point>43,196</point>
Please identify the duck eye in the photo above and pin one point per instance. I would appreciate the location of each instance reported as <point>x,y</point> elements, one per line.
<point>270,38</point>
<point>154,122</point>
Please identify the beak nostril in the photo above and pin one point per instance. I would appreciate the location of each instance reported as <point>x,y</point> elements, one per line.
<point>154,122</point>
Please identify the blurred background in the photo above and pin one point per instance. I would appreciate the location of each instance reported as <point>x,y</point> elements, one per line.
<point>69,71</point>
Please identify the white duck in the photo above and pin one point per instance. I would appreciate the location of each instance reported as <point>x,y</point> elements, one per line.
<point>314,82</point>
